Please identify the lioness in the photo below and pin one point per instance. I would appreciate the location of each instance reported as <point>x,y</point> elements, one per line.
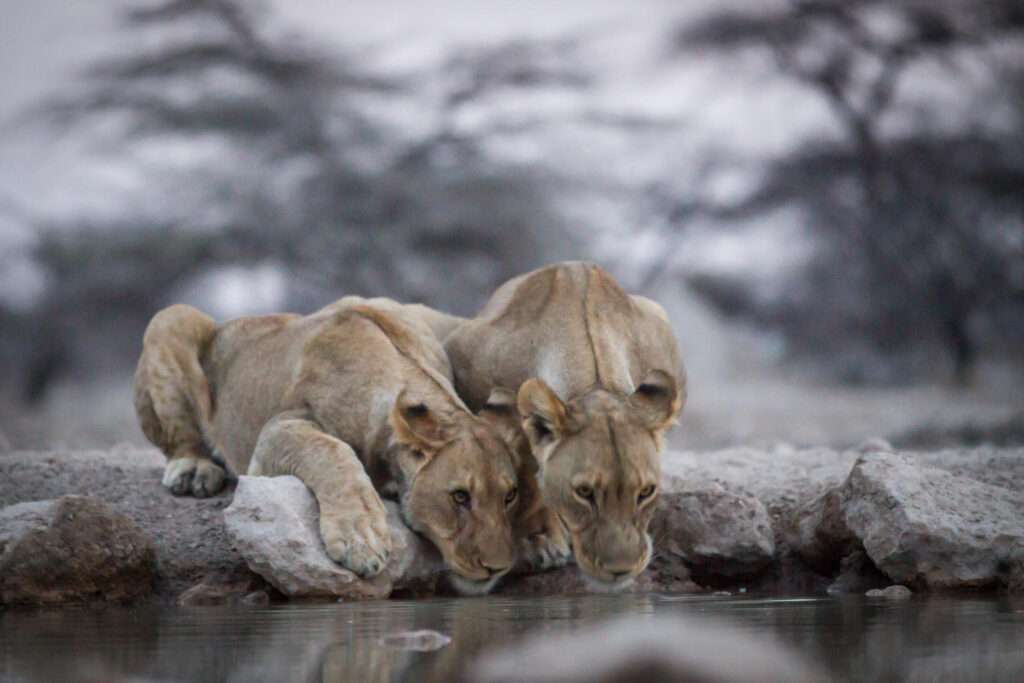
<point>597,380</point>
<point>352,399</point>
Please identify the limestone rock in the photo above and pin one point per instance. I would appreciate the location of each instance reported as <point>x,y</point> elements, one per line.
<point>857,574</point>
<point>424,640</point>
<point>929,527</point>
<point>716,531</point>
<point>188,533</point>
<point>896,592</point>
<point>650,649</point>
<point>231,589</point>
<point>274,524</point>
<point>817,531</point>
<point>781,477</point>
<point>74,548</point>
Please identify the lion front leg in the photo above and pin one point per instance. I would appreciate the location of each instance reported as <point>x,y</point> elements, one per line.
<point>546,544</point>
<point>353,520</point>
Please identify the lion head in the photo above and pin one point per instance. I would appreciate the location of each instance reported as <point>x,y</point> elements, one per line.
<point>599,456</point>
<point>460,489</point>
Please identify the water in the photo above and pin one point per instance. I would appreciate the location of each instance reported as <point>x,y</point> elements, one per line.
<point>933,639</point>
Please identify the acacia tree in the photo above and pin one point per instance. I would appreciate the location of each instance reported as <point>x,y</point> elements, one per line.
<point>918,230</point>
<point>289,167</point>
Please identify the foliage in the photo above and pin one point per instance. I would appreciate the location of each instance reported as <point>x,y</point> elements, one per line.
<point>290,166</point>
<point>918,215</point>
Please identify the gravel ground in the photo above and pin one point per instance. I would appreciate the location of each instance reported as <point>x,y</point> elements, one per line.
<point>188,532</point>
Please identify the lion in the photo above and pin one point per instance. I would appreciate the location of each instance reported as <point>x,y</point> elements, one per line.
<point>592,378</point>
<point>354,399</point>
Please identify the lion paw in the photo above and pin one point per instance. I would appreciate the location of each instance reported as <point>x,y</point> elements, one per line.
<point>543,551</point>
<point>199,477</point>
<point>361,545</point>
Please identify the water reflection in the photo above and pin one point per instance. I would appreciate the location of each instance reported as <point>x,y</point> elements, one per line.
<point>856,639</point>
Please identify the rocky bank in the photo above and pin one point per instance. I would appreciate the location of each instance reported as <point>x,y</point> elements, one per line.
<point>769,520</point>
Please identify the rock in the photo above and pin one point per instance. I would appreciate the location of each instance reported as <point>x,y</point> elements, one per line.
<point>805,493</point>
<point>873,444</point>
<point>896,592</point>
<point>223,588</point>
<point>924,526</point>
<point>204,594</point>
<point>274,524</point>
<point>650,649</point>
<point>189,535</point>
<point>718,533</point>
<point>256,599</point>
<point>781,477</point>
<point>817,531</point>
<point>857,573</point>
<point>423,640</point>
<point>71,549</point>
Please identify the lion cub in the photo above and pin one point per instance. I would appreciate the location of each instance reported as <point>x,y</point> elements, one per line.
<point>593,378</point>
<point>354,399</point>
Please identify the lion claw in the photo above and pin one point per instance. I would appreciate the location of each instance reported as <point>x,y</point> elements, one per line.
<point>541,552</point>
<point>199,477</point>
<point>359,545</point>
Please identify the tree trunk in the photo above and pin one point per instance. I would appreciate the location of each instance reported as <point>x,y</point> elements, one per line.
<point>963,348</point>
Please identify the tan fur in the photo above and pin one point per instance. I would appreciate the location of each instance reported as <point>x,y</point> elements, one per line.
<point>354,399</point>
<point>599,380</point>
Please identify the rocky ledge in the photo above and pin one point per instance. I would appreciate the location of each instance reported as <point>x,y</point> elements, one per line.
<point>778,520</point>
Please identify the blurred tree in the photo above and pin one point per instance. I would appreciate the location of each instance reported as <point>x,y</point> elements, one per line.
<point>285,162</point>
<point>918,215</point>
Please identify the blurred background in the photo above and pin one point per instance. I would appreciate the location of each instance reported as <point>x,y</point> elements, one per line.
<point>826,195</point>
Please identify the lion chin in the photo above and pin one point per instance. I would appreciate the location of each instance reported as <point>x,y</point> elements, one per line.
<point>470,587</point>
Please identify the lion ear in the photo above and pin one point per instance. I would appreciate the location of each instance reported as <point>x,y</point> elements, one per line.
<point>416,426</point>
<point>543,414</point>
<point>657,400</point>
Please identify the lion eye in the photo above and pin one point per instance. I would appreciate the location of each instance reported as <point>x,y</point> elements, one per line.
<point>460,497</point>
<point>510,497</point>
<point>645,493</point>
<point>585,492</point>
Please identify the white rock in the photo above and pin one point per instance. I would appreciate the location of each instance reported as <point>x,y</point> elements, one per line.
<point>274,524</point>
<point>424,640</point>
<point>896,592</point>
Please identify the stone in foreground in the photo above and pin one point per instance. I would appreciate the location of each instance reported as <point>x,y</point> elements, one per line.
<point>653,650</point>
<point>274,524</point>
<point>72,549</point>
